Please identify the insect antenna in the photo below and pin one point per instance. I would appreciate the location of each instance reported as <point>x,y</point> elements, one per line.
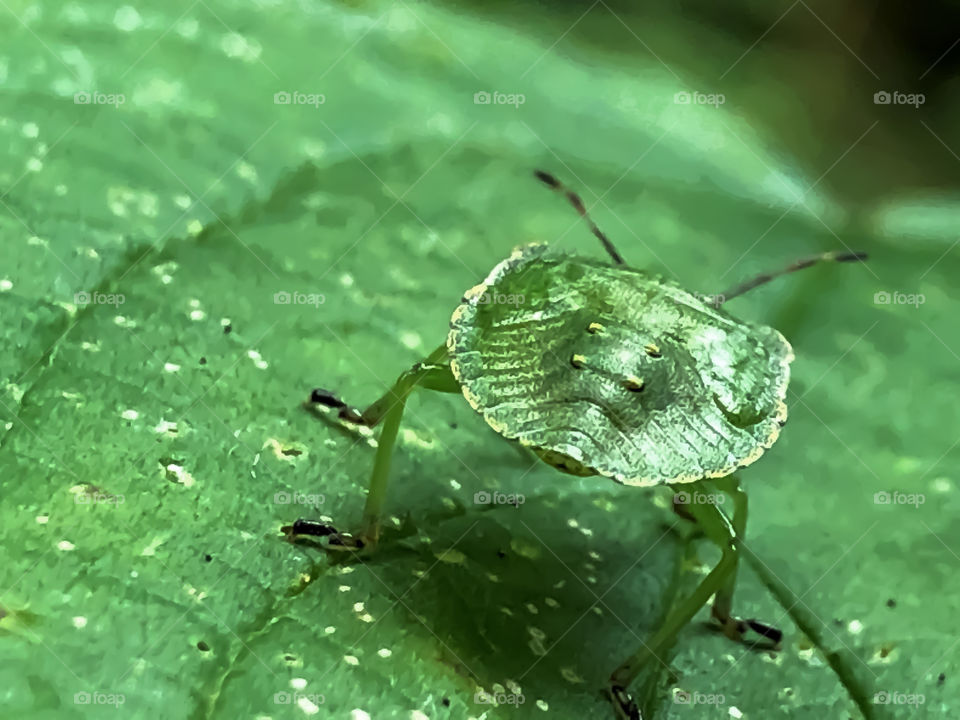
<point>551,182</point>
<point>764,278</point>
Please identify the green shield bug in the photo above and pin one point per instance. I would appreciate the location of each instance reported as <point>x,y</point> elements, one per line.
<point>605,370</point>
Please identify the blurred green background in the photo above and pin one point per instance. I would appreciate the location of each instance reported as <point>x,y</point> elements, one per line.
<point>156,192</point>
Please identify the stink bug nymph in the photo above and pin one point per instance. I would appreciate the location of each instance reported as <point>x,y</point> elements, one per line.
<point>607,370</point>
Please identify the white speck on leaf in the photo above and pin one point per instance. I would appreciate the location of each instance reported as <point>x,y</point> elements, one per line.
<point>411,340</point>
<point>151,549</point>
<point>127,19</point>
<point>308,706</point>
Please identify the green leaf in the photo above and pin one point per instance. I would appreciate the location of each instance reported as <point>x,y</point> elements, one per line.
<point>153,442</point>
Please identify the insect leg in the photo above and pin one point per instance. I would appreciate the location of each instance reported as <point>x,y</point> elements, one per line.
<point>719,529</point>
<point>432,373</point>
<point>722,610</point>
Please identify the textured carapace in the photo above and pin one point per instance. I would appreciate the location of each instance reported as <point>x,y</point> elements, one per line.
<point>607,370</point>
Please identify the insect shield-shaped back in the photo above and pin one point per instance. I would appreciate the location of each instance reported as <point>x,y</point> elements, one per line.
<point>608,370</point>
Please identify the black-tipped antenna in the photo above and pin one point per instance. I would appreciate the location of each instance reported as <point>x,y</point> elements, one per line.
<point>762,279</point>
<point>551,182</point>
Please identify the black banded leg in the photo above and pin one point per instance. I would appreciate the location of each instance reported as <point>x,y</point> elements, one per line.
<point>432,373</point>
<point>719,530</point>
<point>749,631</point>
<point>327,398</point>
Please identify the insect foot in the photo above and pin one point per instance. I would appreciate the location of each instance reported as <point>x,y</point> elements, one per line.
<point>623,705</point>
<point>750,632</point>
<point>330,537</point>
<point>320,396</point>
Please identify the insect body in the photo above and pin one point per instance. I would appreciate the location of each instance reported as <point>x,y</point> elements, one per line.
<point>606,370</point>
